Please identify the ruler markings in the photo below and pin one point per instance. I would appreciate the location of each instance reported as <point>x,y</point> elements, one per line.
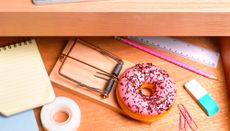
<point>182,48</point>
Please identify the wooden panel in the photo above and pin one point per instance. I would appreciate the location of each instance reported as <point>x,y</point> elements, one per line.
<point>225,52</point>
<point>114,23</point>
<point>97,117</point>
<point>116,17</point>
<point>120,6</point>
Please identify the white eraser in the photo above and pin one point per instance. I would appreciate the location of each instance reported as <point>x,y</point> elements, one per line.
<point>195,89</point>
<point>204,99</point>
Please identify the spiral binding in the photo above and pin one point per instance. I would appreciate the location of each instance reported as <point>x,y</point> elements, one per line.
<point>16,44</point>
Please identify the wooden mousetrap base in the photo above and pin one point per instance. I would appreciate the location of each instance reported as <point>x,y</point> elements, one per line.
<point>85,74</point>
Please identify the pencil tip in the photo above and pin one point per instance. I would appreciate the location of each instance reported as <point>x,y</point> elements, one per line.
<point>213,77</point>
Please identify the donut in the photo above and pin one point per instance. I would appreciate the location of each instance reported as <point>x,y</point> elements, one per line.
<point>133,99</point>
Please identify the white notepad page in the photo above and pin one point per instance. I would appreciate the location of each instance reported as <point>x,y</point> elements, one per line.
<point>24,82</point>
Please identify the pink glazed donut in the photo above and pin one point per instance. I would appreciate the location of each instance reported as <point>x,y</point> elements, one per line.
<point>145,92</point>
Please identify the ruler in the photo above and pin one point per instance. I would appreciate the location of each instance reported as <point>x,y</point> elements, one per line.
<point>52,1</point>
<point>181,48</point>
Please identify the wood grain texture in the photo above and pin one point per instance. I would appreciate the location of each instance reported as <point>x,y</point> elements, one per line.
<point>86,75</point>
<point>116,17</point>
<point>225,52</point>
<point>114,24</point>
<point>97,117</point>
<point>119,6</point>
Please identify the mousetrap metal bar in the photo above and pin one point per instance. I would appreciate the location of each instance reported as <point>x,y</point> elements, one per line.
<point>111,78</point>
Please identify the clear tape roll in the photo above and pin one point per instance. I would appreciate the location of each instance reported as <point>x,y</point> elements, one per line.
<point>61,104</point>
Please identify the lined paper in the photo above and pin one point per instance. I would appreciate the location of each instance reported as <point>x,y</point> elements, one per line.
<point>24,83</point>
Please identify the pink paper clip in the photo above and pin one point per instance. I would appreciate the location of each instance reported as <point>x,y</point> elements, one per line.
<point>187,117</point>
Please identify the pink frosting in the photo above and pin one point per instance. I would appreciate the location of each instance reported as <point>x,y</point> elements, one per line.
<point>158,102</point>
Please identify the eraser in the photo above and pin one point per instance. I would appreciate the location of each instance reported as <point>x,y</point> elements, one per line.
<point>201,95</point>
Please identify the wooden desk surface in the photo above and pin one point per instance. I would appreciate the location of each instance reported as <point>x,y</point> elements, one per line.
<point>116,17</point>
<point>97,117</point>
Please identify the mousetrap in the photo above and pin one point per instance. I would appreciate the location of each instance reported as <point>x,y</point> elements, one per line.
<point>88,70</point>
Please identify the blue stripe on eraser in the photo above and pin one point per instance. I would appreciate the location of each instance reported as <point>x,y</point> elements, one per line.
<point>208,104</point>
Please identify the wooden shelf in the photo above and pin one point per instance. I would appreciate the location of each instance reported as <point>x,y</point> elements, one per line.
<point>116,17</point>
<point>97,117</point>
<point>119,6</point>
<point>101,118</point>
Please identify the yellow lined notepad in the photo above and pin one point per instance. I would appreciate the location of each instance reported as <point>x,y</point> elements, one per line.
<point>24,82</point>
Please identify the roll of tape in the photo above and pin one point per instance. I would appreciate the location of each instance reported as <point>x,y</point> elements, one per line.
<point>65,106</point>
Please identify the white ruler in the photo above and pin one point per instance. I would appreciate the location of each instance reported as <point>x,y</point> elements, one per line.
<point>53,1</point>
<point>182,48</point>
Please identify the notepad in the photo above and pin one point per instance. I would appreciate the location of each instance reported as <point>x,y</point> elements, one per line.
<point>24,81</point>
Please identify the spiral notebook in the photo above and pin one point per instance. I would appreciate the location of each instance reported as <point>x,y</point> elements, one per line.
<point>24,81</point>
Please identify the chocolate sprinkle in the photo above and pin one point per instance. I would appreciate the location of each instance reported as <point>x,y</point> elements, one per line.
<point>160,101</point>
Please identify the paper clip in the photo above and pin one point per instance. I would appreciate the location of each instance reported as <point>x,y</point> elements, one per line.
<point>187,117</point>
<point>110,77</point>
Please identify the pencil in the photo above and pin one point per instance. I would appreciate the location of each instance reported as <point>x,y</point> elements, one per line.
<point>165,57</point>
